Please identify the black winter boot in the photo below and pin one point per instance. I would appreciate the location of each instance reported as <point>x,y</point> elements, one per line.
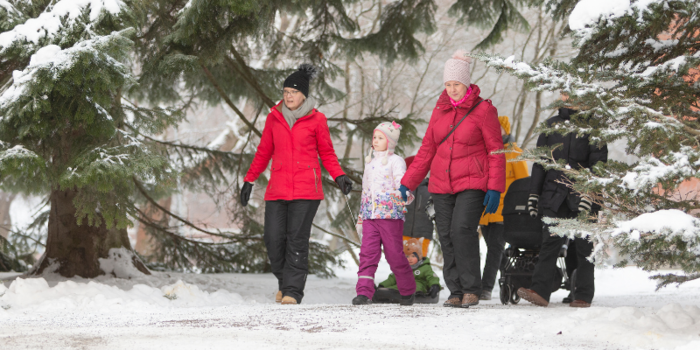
<point>407,299</point>
<point>361,300</point>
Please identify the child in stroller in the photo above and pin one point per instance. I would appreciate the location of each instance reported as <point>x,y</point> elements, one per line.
<point>524,233</point>
<point>427,284</point>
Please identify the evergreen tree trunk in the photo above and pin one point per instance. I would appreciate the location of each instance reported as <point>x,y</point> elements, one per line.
<point>77,248</point>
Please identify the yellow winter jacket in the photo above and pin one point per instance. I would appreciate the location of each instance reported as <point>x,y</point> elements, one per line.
<point>514,171</point>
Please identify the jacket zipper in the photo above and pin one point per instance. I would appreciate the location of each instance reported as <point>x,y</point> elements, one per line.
<point>315,181</point>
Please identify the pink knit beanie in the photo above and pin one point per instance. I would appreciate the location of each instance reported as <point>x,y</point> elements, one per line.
<point>457,68</point>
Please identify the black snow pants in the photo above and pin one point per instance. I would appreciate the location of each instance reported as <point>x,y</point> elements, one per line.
<point>457,219</point>
<point>287,233</point>
<point>545,269</point>
<point>495,243</point>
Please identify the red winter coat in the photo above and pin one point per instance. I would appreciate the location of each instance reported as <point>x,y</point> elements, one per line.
<point>464,161</point>
<point>296,172</point>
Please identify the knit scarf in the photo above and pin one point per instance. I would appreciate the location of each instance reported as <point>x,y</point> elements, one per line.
<point>417,265</point>
<point>291,116</point>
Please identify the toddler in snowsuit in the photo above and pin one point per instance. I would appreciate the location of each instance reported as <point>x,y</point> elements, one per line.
<point>426,281</point>
<point>382,214</point>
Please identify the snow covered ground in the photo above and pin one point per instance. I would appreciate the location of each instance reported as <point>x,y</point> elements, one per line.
<point>187,311</point>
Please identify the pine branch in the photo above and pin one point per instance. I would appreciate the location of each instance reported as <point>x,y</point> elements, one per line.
<point>139,187</point>
<point>228,100</point>
<point>244,71</point>
<point>665,280</point>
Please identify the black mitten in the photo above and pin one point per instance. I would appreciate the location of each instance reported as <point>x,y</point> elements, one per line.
<point>245,193</point>
<point>434,290</point>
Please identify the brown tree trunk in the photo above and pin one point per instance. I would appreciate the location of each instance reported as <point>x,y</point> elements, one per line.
<point>74,250</point>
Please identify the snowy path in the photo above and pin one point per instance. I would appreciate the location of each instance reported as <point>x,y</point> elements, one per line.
<point>232,311</point>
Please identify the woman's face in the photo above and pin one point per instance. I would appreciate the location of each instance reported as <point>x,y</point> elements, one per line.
<point>293,98</point>
<point>455,90</point>
<point>379,141</point>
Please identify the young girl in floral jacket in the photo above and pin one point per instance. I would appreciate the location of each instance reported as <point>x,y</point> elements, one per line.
<point>381,217</point>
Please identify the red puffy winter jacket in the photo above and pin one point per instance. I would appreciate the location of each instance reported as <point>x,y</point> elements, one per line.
<point>464,161</point>
<point>296,173</point>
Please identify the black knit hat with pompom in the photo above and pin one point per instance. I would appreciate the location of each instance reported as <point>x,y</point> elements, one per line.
<point>300,79</point>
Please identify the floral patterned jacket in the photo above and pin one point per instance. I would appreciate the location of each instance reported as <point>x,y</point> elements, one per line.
<point>381,198</point>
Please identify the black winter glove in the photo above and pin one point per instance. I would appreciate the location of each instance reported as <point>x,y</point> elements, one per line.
<point>245,193</point>
<point>344,183</point>
<point>532,204</point>
<point>585,204</point>
<point>434,290</point>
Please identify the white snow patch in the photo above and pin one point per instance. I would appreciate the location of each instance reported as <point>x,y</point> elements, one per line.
<point>670,222</point>
<point>93,297</point>
<point>588,12</point>
<point>46,54</point>
<point>51,57</point>
<point>120,263</point>
<point>49,22</point>
<point>190,295</point>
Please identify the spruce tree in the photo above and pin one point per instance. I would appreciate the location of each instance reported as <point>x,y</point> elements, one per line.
<point>635,79</point>
<point>69,132</point>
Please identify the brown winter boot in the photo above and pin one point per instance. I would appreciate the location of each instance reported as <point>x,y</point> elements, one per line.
<point>469,300</point>
<point>532,296</point>
<point>287,300</point>
<point>579,303</point>
<point>453,301</point>
<point>278,297</point>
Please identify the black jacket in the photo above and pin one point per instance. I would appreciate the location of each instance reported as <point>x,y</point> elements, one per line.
<point>417,224</point>
<point>578,153</point>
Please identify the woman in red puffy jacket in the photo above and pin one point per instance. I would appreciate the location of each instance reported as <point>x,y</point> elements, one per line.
<point>294,137</point>
<point>465,175</point>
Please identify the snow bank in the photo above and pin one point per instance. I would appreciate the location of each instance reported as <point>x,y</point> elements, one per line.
<point>173,311</point>
<point>34,294</point>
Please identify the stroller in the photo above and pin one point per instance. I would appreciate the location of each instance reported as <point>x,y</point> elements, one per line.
<point>524,233</point>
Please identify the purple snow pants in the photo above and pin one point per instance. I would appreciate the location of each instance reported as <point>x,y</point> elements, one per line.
<point>388,233</point>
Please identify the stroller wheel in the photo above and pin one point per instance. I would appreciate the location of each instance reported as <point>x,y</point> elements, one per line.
<point>505,293</point>
<point>514,297</point>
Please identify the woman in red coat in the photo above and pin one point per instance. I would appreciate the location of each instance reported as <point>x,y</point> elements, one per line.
<point>465,175</point>
<point>294,137</point>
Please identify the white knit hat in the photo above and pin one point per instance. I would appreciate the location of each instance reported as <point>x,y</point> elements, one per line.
<point>457,68</point>
<point>391,131</point>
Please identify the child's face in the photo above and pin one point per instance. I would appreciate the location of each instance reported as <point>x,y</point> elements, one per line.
<point>379,142</point>
<point>412,259</point>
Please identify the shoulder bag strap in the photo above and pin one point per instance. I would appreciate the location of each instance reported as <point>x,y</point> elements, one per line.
<point>460,122</point>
